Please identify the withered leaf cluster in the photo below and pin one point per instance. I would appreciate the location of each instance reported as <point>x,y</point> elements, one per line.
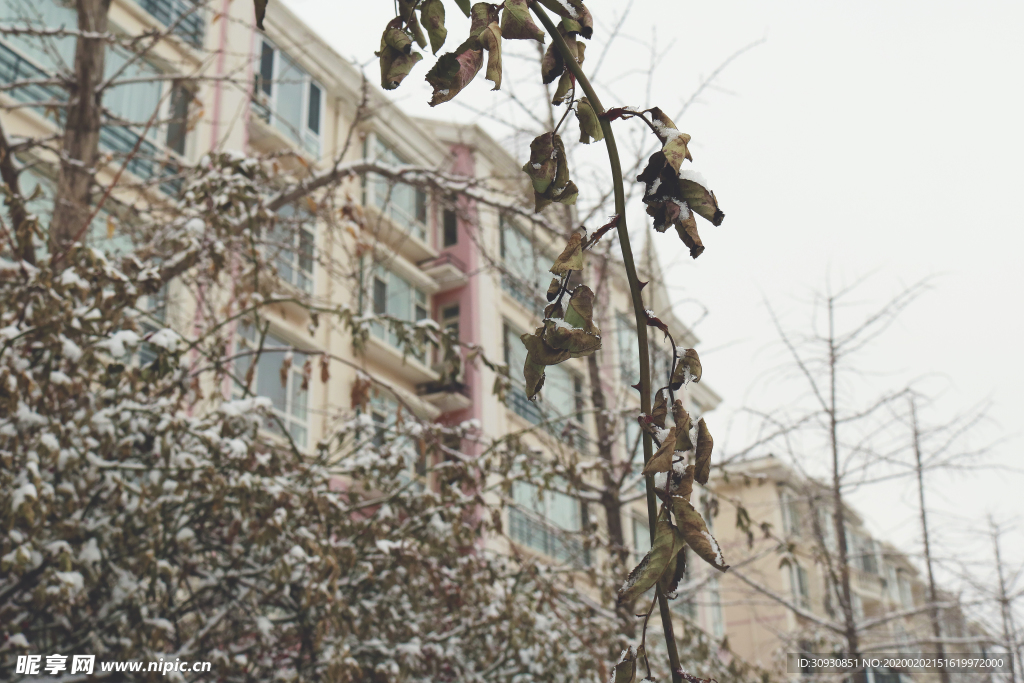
<point>679,524</point>
<point>673,194</point>
<point>566,332</point>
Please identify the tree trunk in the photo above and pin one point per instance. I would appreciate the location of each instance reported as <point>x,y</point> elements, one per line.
<point>72,209</point>
<point>610,494</point>
<point>839,516</point>
<point>932,592</point>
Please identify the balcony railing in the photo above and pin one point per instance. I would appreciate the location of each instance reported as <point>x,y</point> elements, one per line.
<point>144,164</point>
<point>564,430</point>
<point>117,139</point>
<point>190,29</point>
<point>538,535</point>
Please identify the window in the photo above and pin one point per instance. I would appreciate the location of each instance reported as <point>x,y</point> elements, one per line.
<point>828,529</point>
<point>790,513</point>
<point>798,585</point>
<point>560,403</point>
<point>28,58</point>
<point>641,540</point>
<point>540,519</point>
<point>395,297</point>
<point>450,318</point>
<point>526,268</point>
<point>635,448</point>
<point>451,228</point>
<point>906,589</point>
<point>288,98</point>
<point>188,19</point>
<point>629,351</point>
<point>291,239</point>
<point>865,560</point>
<point>177,127</point>
<point>385,411</point>
<point>715,600</point>
<point>271,380</point>
<point>404,204</point>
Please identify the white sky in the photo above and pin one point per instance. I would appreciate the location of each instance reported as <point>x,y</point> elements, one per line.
<point>868,137</point>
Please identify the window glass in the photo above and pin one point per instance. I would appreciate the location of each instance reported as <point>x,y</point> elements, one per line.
<point>404,204</point>
<point>177,128</point>
<point>289,399</point>
<point>451,232</point>
<point>291,241</point>
<point>539,518</point>
<point>313,119</point>
<point>625,340</point>
<point>396,297</point>
<point>56,53</point>
<point>291,85</point>
<point>526,268</point>
<point>133,102</point>
<point>267,69</point>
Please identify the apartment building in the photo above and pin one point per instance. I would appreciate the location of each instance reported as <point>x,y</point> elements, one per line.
<point>772,576</point>
<point>215,83</point>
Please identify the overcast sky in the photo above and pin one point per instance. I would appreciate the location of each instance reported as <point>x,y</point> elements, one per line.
<point>881,138</point>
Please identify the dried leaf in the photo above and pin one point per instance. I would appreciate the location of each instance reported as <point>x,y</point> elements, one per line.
<point>325,368</point>
<point>553,289</point>
<point>576,18</point>
<point>360,392</point>
<point>662,460</point>
<point>581,310</point>
<point>490,38</point>
<point>549,172</point>
<point>660,410</point>
<point>704,445</point>
<point>695,532</point>
<point>571,257</point>
<point>578,342</point>
<point>453,72</point>
<point>682,484</point>
<point>688,369</point>
<point>432,17</point>
<point>590,125</point>
<point>565,83</point>
<point>517,24</point>
<point>396,56</point>
<point>625,669</point>
<point>655,563</point>
<point>533,375</point>
<point>683,424</point>
<point>699,198</point>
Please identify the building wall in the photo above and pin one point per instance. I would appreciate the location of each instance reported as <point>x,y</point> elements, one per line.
<point>229,112</point>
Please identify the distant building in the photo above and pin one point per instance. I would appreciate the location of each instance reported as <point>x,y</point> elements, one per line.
<point>884,580</point>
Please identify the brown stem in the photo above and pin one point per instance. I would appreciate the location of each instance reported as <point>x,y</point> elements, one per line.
<point>638,305</point>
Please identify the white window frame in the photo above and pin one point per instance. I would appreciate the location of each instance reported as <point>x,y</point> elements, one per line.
<point>288,416</point>
<point>309,140</point>
<point>375,146</point>
<point>419,303</point>
<point>291,256</point>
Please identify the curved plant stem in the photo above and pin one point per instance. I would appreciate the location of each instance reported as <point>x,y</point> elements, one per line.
<point>638,306</point>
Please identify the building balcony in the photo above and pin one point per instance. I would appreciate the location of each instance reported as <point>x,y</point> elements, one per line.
<point>447,270</point>
<point>447,397</point>
<point>149,160</point>
<point>187,15</point>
